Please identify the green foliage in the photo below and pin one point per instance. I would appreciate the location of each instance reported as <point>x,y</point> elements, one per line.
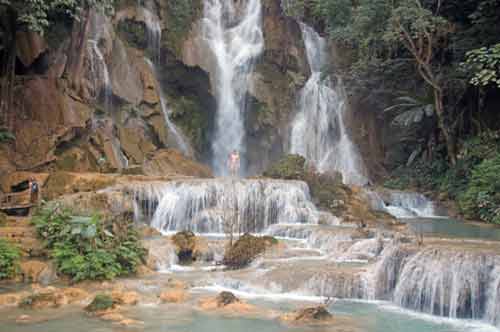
<point>87,247</point>
<point>180,16</point>
<point>6,136</point>
<point>100,302</point>
<point>410,110</point>
<point>482,198</point>
<point>36,15</point>
<point>9,259</point>
<point>483,64</point>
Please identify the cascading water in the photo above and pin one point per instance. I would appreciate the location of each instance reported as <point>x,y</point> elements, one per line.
<point>98,68</point>
<point>402,204</point>
<point>203,206</point>
<point>234,35</point>
<point>153,34</point>
<point>318,130</point>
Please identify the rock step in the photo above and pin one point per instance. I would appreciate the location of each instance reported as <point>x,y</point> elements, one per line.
<point>17,221</point>
<point>17,232</point>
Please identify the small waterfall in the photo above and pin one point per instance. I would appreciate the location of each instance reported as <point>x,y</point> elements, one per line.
<point>153,34</point>
<point>401,204</point>
<point>447,283</point>
<point>410,205</point>
<point>98,68</point>
<point>233,33</point>
<point>203,206</point>
<point>318,130</point>
<point>493,305</point>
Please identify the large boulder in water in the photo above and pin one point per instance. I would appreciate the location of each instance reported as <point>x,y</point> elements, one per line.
<point>185,243</point>
<point>246,249</point>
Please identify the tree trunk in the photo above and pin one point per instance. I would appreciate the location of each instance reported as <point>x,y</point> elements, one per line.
<point>449,137</point>
<point>8,68</point>
<point>76,53</point>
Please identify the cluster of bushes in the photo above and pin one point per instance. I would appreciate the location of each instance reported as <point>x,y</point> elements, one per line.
<point>89,247</point>
<point>10,256</point>
<point>474,181</point>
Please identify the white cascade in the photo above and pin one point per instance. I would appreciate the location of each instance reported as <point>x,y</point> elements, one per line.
<point>233,33</point>
<point>203,206</point>
<point>401,204</point>
<point>447,283</point>
<point>318,130</point>
<point>410,205</point>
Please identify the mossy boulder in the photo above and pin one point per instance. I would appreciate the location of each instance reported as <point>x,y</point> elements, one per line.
<point>310,315</point>
<point>101,302</point>
<point>185,243</point>
<point>246,249</point>
<point>290,167</point>
<point>226,298</point>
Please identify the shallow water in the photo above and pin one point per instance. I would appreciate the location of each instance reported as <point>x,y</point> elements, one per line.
<point>361,317</point>
<point>451,228</point>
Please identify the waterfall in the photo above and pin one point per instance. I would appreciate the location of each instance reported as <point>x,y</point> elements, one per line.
<point>153,34</point>
<point>204,206</point>
<point>401,204</point>
<point>447,283</point>
<point>318,130</point>
<point>234,35</point>
<point>410,205</point>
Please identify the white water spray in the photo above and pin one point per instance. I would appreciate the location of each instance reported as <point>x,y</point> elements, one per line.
<point>203,205</point>
<point>234,35</point>
<point>318,130</point>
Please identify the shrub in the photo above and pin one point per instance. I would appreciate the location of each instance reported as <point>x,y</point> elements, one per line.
<point>88,247</point>
<point>482,198</point>
<point>9,259</point>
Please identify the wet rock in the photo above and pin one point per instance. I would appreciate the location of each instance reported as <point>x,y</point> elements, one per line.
<point>246,249</point>
<point>125,298</point>
<point>38,271</point>
<point>130,322</point>
<point>46,298</point>
<point>185,243</point>
<point>100,303</point>
<point>23,319</point>
<point>174,296</point>
<point>75,295</point>
<point>60,183</point>
<point>309,315</point>
<point>170,161</point>
<point>11,299</point>
<point>226,298</point>
<point>228,303</point>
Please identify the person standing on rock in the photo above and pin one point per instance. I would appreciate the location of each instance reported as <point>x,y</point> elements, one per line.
<point>34,190</point>
<point>234,163</point>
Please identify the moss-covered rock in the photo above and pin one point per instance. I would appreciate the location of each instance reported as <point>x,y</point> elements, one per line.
<point>185,243</point>
<point>46,299</point>
<point>101,302</point>
<point>290,167</point>
<point>246,249</point>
